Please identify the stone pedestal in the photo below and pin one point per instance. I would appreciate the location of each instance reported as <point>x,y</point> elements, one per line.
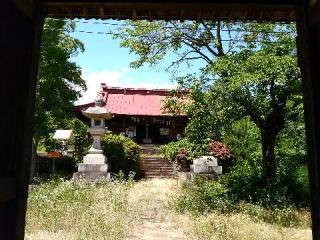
<point>205,166</point>
<point>94,167</point>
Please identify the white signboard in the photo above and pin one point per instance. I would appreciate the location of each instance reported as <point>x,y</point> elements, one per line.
<point>63,134</point>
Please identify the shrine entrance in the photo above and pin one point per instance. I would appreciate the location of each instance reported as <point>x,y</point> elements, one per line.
<point>21,24</point>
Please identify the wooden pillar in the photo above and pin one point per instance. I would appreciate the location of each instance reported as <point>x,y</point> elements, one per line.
<point>173,129</point>
<point>124,124</point>
<point>20,33</point>
<point>147,130</point>
<point>308,43</point>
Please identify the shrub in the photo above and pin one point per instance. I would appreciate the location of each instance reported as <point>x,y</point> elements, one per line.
<point>180,153</point>
<point>170,150</point>
<point>243,181</point>
<point>64,166</point>
<point>123,154</point>
<point>290,187</point>
<point>300,186</point>
<point>203,196</point>
<point>295,177</point>
<point>220,151</point>
<point>82,144</point>
<point>287,216</point>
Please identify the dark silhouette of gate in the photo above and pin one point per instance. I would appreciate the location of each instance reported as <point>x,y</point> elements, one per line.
<point>20,34</point>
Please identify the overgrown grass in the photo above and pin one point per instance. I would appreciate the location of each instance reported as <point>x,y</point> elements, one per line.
<point>202,198</point>
<point>68,210</point>
<point>77,210</point>
<point>239,226</point>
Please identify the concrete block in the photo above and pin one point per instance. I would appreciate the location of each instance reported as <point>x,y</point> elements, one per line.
<point>85,167</point>
<point>208,176</point>
<point>206,169</point>
<point>94,159</point>
<point>206,161</point>
<point>91,176</point>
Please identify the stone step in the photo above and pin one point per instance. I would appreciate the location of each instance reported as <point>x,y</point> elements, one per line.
<point>155,161</point>
<point>159,176</point>
<point>147,177</point>
<point>156,164</point>
<point>158,173</point>
<point>156,167</point>
<point>157,170</point>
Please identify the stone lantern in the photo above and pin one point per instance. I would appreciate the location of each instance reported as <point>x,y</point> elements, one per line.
<point>94,164</point>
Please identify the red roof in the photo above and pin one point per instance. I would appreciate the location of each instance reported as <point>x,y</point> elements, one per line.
<point>132,101</point>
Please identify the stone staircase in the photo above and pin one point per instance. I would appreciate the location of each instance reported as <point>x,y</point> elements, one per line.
<point>153,165</point>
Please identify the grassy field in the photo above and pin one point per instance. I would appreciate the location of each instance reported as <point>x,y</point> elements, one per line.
<point>143,210</point>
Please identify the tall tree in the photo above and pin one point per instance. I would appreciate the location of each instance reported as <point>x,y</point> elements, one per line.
<point>252,69</point>
<point>263,80</point>
<point>60,82</point>
<point>187,41</point>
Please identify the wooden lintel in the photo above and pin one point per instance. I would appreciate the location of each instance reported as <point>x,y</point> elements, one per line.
<point>134,14</point>
<point>118,14</point>
<point>101,12</point>
<point>150,15</point>
<point>292,15</point>
<point>199,14</point>
<point>182,15</point>
<point>70,12</point>
<point>244,15</point>
<point>275,16</point>
<point>85,12</point>
<point>171,10</point>
<point>230,14</point>
<point>260,18</point>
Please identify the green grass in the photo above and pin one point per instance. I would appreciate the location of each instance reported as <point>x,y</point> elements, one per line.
<point>68,210</point>
<point>77,210</point>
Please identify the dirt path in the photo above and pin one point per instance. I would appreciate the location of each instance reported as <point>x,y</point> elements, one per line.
<point>155,220</point>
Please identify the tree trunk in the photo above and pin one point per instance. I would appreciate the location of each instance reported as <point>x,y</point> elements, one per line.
<point>34,160</point>
<point>268,140</point>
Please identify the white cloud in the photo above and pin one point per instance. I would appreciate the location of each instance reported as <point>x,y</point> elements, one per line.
<point>94,80</point>
<point>117,78</point>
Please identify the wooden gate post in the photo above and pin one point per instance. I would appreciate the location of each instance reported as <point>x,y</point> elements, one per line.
<point>20,32</point>
<point>308,42</point>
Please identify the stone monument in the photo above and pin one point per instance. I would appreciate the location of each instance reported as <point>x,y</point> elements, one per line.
<point>205,166</point>
<point>95,165</point>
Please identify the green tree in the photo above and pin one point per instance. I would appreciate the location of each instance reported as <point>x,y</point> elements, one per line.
<point>263,80</point>
<point>59,83</point>
<point>251,72</point>
<point>186,42</point>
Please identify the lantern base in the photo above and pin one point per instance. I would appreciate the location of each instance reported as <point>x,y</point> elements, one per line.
<point>94,167</point>
<point>91,176</point>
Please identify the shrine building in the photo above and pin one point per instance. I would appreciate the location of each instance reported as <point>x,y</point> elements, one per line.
<point>138,113</point>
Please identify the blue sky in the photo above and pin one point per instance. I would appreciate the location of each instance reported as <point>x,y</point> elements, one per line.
<point>104,61</point>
